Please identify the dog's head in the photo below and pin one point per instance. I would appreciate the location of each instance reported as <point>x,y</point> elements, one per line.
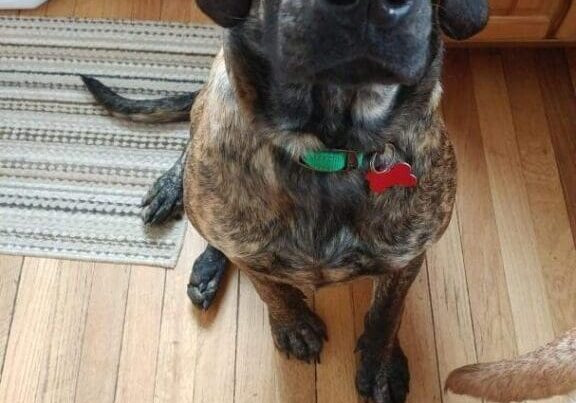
<point>348,41</point>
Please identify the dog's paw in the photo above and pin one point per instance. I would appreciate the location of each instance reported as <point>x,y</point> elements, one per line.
<point>207,274</point>
<point>165,198</point>
<point>206,277</point>
<point>384,381</point>
<point>302,337</point>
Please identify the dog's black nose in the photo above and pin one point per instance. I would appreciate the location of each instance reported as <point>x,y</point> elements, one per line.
<point>389,12</point>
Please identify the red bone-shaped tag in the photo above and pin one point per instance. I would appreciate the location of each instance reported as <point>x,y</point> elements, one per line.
<point>397,175</point>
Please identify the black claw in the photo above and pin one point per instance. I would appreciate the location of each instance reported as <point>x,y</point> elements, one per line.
<point>152,193</point>
<point>162,213</point>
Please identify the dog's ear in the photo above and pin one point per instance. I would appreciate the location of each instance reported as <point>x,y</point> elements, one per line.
<point>226,13</point>
<point>462,19</point>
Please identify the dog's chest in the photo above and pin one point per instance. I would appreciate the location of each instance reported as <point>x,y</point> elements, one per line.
<point>315,230</point>
<point>325,256</point>
<point>370,238</point>
<point>269,214</point>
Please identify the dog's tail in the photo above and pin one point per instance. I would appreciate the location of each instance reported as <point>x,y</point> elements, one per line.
<point>171,109</point>
<point>547,372</point>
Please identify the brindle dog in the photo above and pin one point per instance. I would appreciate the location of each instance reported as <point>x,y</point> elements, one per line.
<point>302,75</point>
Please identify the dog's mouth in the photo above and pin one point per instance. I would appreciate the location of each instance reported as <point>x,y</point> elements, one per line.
<point>371,62</point>
<point>365,70</point>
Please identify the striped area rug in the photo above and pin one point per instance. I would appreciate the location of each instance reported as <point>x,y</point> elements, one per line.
<point>71,176</point>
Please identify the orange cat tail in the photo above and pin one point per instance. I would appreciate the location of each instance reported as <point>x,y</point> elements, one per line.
<point>546,372</point>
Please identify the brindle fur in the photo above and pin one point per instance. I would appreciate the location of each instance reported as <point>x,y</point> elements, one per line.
<point>289,228</point>
<point>251,199</point>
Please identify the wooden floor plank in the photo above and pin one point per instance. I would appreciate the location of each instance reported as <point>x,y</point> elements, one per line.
<point>29,343</point>
<point>179,333</point>
<point>419,344</point>
<point>525,280</point>
<point>147,10</point>
<point>197,350</point>
<point>102,341</point>
<point>215,358</point>
<point>89,9</point>
<point>196,360</point>
<point>177,10</point>
<point>491,312</point>
<point>60,8</point>
<point>68,330</point>
<point>10,270</point>
<point>262,373</point>
<point>450,306</point>
<point>335,376</point>
<point>551,223</point>
<point>560,107</point>
<point>118,9</point>
<point>139,354</point>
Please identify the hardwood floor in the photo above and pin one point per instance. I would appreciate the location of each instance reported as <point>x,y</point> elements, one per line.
<point>502,281</point>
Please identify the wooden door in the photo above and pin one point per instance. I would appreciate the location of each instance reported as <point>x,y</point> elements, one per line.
<point>567,28</point>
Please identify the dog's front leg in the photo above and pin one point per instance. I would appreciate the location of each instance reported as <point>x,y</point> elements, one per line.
<point>297,331</point>
<point>383,373</point>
